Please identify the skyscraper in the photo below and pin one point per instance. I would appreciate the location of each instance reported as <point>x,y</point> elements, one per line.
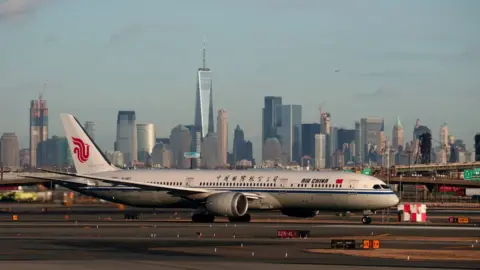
<point>210,151</point>
<point>204,99</point>
<point>320,151</point>
<point>38,127</point>
<point>238,144</point>
<point>308,139</point>
<point>397,136</point>
<point>56,152</point>
<point>90,129</point>
<point>222,136</point>
<point>443,135</point>
<point>359,150</point>
<point>126,141</point>
<point>290,131</point>
<point>10,151</point>
<point>270,117</point>
<point>180,142</point>
<point>371,128</point>
<point>146,140</point>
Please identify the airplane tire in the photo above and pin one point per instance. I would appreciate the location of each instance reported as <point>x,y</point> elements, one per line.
<point>366,220</point>
<point>244,219</point>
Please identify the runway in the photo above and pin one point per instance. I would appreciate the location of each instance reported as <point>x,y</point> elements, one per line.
<point>99,238</point>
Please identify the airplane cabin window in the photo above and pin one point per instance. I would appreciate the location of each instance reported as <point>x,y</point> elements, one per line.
<point>376,187</point>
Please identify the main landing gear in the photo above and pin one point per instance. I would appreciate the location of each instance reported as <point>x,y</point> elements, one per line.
<point>207,218</point>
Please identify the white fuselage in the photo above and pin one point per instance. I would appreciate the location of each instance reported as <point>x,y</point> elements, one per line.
<point>338,191</point>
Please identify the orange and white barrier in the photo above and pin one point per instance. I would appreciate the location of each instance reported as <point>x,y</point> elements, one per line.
<point>413,212</point>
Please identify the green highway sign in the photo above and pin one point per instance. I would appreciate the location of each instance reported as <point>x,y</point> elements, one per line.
<point>191,155</point>
<point>367,171</point>
<point>471,174</point>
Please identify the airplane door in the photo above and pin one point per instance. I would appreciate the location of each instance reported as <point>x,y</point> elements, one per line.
<point>353,186</point>
<point>189,181</point>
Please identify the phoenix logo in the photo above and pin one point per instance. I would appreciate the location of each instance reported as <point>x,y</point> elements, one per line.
<point>81,149</point>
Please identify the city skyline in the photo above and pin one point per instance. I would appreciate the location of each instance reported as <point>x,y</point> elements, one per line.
<point>412,72</point>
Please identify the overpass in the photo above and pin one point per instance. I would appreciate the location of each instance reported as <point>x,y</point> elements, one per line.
<point>437,167</point>
<point>430,181</point>
<point>424,168</point>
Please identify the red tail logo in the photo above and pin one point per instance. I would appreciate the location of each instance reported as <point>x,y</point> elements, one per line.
<point>81,149</point>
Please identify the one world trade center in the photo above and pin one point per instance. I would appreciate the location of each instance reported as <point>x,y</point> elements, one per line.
<point>204,100</point>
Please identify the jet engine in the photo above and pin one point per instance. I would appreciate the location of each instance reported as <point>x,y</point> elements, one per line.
<point>230,204</point>
<point>300,213</point>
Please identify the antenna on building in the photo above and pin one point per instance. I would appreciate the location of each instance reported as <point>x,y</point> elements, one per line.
<point>320,109</point>
<point>204,59</point>
<point>45,84</point>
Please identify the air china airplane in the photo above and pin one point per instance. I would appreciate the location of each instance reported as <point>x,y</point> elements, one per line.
<point>212,193</point>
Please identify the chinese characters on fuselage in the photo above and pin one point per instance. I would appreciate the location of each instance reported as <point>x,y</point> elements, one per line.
<point>249,178</point>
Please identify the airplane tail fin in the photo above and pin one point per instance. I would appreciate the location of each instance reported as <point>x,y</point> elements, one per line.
<point>86,155</point>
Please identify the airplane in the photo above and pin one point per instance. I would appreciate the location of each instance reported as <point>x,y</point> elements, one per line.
<point>214,193</point>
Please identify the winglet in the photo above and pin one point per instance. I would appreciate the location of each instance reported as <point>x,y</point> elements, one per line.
<point>86,155</point>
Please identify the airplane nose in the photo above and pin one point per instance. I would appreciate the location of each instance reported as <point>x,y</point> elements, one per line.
<point>395,200</point>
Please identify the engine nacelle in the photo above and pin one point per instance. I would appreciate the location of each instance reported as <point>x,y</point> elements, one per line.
<point>230,204</point>
<point>300,213</point>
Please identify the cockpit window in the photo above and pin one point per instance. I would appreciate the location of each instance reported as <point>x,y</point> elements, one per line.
<point>376,187</point>
<point>385,187</point>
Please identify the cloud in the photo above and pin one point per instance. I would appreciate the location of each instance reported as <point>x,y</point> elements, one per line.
<point>15,9</point>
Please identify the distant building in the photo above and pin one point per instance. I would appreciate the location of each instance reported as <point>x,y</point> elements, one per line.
<point>38,128</point>
<point>344,136</point>
<point>238,144</point>
<point>127,136</point>
<point>272,150</point>
<point>397,135</point>
<point>320,151</point>
<point>290,132</point>
<point>371,129</point>
<point>270,119</point>
<point>24,158</point>
<point>210,158</point>
<point>10,151</point>
<point>54,152</point>
<point>162,156</point>
<point>204,117</point>
<point>116,158</point>
<point>180,143</point>
<point>90,129</point>
<point>146,140</point>
<point>308,139</point>
<point>222,137</point>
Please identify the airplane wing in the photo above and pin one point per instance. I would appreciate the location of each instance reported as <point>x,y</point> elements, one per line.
<point>151,186</point>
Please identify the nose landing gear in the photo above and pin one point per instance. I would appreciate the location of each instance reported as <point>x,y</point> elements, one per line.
<point>366,220</point>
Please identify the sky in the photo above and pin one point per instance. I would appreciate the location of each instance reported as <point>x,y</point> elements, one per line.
<point>412,59</point>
